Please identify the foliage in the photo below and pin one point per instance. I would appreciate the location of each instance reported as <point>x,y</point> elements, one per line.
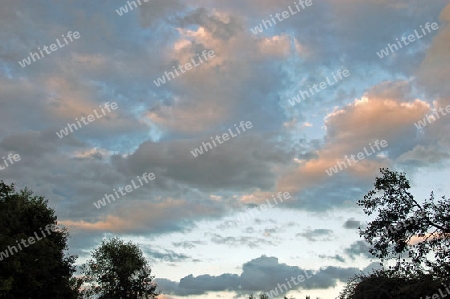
<point>39,270</point>
<point>383,284</point>
<point>404,226</point>
<point>416,236</point>
<point>118,270</point>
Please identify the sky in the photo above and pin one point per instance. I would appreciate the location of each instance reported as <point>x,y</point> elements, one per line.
<point>224,106</point>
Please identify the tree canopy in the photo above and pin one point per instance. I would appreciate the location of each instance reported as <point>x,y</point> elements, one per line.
<point>403,225</point>
<point>118,270</point>
<point>412,236</point>
<point>33,262</point>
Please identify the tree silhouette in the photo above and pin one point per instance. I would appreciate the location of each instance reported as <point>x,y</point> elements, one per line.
<point>33,263</point>
<point>389,284</point>
<point>415,236</point>
<point>404,226</point>
<point>118,270</point>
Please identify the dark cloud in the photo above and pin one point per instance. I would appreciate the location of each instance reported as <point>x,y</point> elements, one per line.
<point>352,224</point>
<point>173,160</point>
<point>259,275</point>
<point>188,244</point>
<point>166,256</point>
<point>358,248</point>
<point>251,242</point>
<point>317,234</point>
<point>336,257</point>
<point>213,24</point>
<point>155,10</point>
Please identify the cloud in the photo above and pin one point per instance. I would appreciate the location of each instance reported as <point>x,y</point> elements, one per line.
<point>173,160</point>
<point>350,129</point>
<point>148,217</point>
<point>336,257</point>
<point>221,26</point>
<point>351,223</point>
<point>358,248</point>
<point>217,91</point>
<point>316,234</point>
<point>251,242</point>
<point>188,244</point>
<point>156,10</point>
<point>422,155</point>
<point>258,275</point>
<point>431,74</point>
<point>166,256</point>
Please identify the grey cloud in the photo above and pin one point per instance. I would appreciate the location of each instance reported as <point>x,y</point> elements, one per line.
<point>352,224</point>
<point>423,155</point>
<point>217,27</point>
<point>156,10</point>
<point>317,234</point>
<point>249,163</point>
<point>167,256</point>
<point>336,257</point>
<point>188,244</point>
<point>203,283</point>
<point>258,275</point>
<point>251,242</point>
<point>358,248</point>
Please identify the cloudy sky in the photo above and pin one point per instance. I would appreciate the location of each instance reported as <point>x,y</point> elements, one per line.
<point>193,220</point>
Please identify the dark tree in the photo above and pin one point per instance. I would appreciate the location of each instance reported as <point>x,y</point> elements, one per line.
<point>413,236</point>
<point>33,263</point>
<point>118,270</point>
<point>385,284</point>
<point>406,230</point>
